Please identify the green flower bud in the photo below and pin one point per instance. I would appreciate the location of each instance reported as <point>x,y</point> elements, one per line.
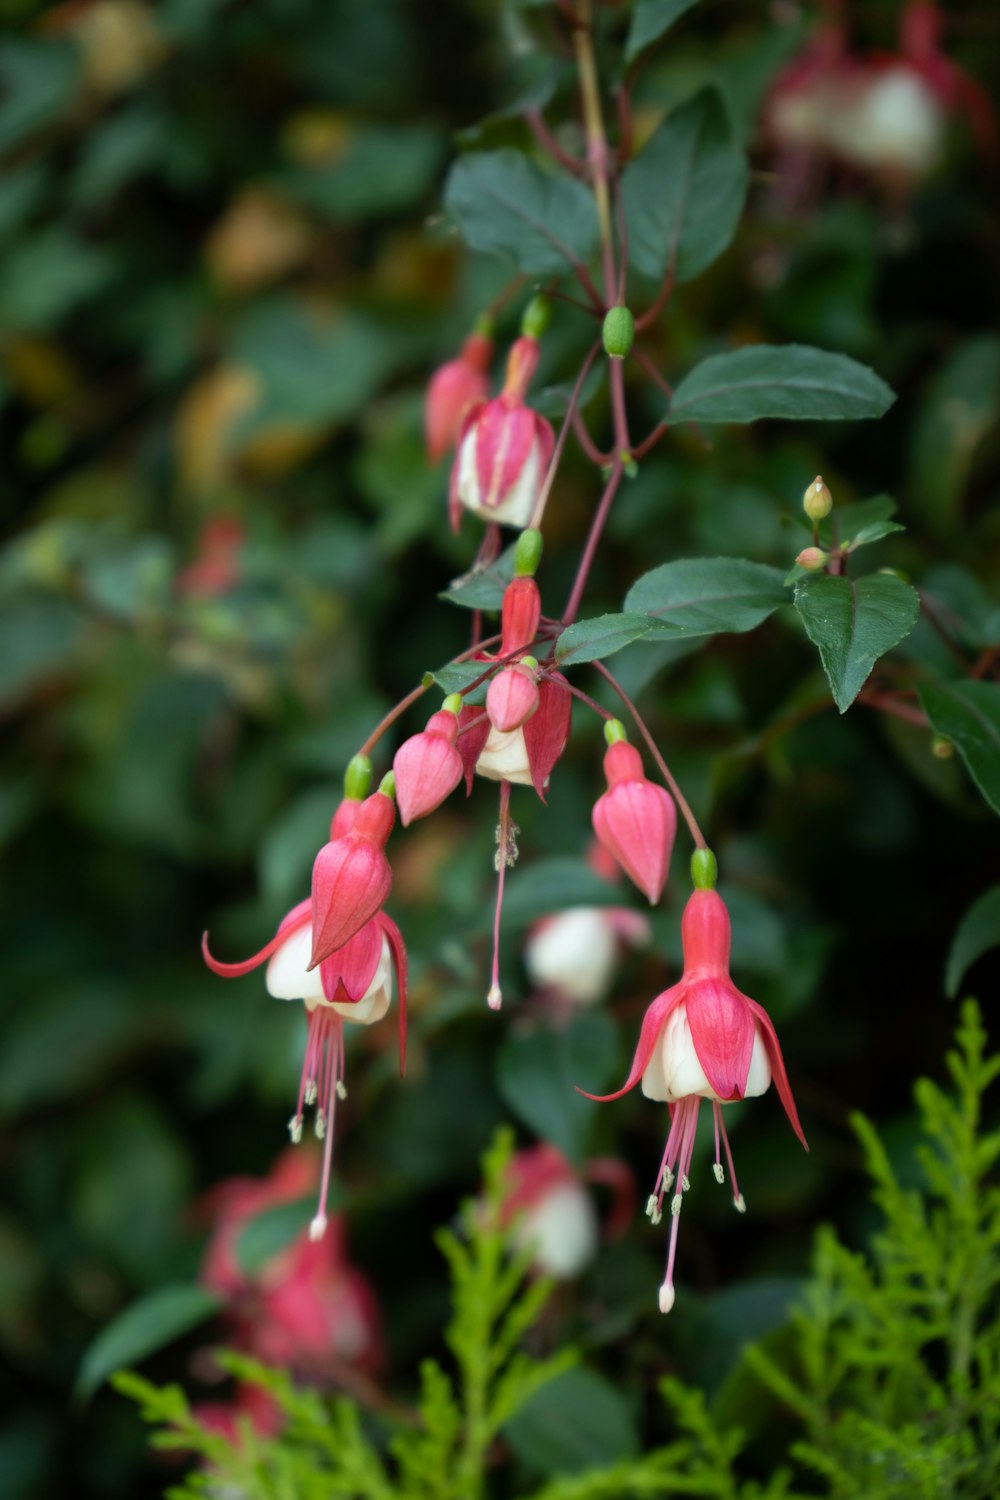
<point>452,704</point>
<point>817,501</point>
<point>358,778</point>
<point>619,332</point>
<point>704,870</point>
<point>527,554</point>
<point>536,316</point>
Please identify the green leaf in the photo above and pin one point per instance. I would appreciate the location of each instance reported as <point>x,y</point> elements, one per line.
<point>503,203</point>
<point>576,1422</point>
<point>482,588</point>
<point>874,533</point>
<point>961,406</point>
<point>142,1329</point>
<point>854,622</point>
<point>976,934</point>
<point>538,1073</point>
<point>272,1231</point>
<point>845,522</point>
<point>779,380</point>
<point>706,595</point>
<point>684,192</point>
<point>651,19</point>
<point>968,714</point>
<point>590,640</point>
<point>456,677</point>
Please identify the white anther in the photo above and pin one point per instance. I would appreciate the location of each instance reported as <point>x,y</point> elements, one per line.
<point>675,1204</point>
<point>740,1204</point>
<point>666,1297</point>
<point>341,1090</point>
<point>319,1125</point>
<point>494,998</point>
<point>317,1228</point>
<point>685,1185</point>
<point>311,1092</point>
<point>295,1129</point>
<point>668,1180</point>
<point>720,1175</point>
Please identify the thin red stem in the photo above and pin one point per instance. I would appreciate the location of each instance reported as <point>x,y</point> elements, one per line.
<point>660,301</point>
<point>587,443</point>
<point>545,138</point>
<point>664,769</point>
<point>596,527</point>
<point>557,452</point>
<point>590,702</point>
<point>413,696</point>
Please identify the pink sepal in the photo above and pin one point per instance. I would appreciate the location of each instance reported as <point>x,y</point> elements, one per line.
<point>778,1073</point>
<point>297,917</point>
<point>519,616</point>
<point>505,436</point>
<point>471,742</point>
<point>511,699</point>
<point>547,731</point>
<point>453,389</point>
<point>344,818</point>
<point>722,1033</point>
<point>706,933</point>
<point>522,362</point>
<point>351,878</point>
<point>347,974</point>
<point>401,965</point>
<point>653,1022</point>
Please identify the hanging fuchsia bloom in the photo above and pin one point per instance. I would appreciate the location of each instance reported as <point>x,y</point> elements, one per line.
<point>428,766</point>
<point>703,1039</point>
<point>635,819</point>
<point>354,983</point>
<point>504,449</point>
<point>454,388</point>
<point>553,1213</point>
<point>351,876</point>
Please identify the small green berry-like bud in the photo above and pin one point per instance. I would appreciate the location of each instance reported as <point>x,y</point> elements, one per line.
<point>817,501</point>
<point>527,554</point>
<point>387,786</point>
<point>358,778</point>
<point>531,662</point>
<point>619,332</point>
<point>614,730</point>
<point>536,316</point>
<point>812,559</point>
<point>452,704</point>
<point>704,870</point>
<point>942,748</point>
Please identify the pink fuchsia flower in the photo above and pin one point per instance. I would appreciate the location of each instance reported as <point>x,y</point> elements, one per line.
<point>306,1307</point>
<point>504,448</point>
<point>454,388</point>
<point>635,819</point>
<point>552,1212</point>
<point>354,983</point>
<point>703,1039</point>
<point>428,766</point>
<point>351,875</point>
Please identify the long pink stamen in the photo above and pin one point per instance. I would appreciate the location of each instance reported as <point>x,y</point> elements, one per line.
<point>494,998</point>
<point>683,1130</point>
<point>738,1199</point>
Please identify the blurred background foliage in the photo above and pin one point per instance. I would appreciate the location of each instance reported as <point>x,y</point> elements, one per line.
<point>224,280</point>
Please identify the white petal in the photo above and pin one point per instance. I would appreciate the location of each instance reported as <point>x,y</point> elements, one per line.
<point>575,953</point>
<point>288,977</point>
<point>896,123</point>
<point>759,1076</point>
<point>674,1072</point>
<point>562,1229</point>
<point>504,757</point>
<point>377,997</point>
<point>468,478</point>
<point>518,501</point>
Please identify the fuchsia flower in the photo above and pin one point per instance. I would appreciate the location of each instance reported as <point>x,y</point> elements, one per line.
<point>453,389</point>
<point>352,983</point>
<point>703,1039</point>
<point>351,876</point>
<point>428,766</point>
<point>553,1213</point>
<point>635,819</point>
<point>504,449</point>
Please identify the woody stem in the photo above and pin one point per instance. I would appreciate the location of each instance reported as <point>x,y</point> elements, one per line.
<point>640,724</point>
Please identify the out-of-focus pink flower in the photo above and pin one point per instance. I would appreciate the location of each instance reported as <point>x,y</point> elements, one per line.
<point>635,819</point>
<point>548,1203</point>
<point>354,983</point>
<point>703,1039</point>
<point>249,1404</point>
<point>454,388</point>
<point>428,766</point>
<point>215,568</point>
<point>504,449</point>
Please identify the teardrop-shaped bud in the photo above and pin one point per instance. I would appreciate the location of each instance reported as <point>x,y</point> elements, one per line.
<point>520,614</point>
<point>428,767</point>
<point>351,878</point>
<point>454,388</point>
<point>636,820</point>
<point>512,698</point>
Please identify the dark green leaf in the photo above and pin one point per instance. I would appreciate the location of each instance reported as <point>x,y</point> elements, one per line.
<point>482,588</point>
<point>456,677</point>
<point>976,934</point>
<point>706,595</point>
<point>591,640</point>
<point>961,406</point>
<point>538,1073</point>
<point>577,1421</point>
<point>875,532</point>
<point>501,201</point>
<point>779,380</point>
<point>684,192</point>
<point>142,1329</point>
<point>968,714</point>
<point>272,1231</point>
<point>552,400</point>
<point>651,19</point>
<point>854,622</point>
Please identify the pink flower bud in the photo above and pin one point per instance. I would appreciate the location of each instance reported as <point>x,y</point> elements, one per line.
<point>520,613</point>
<point>344,818</point>
<point>512,698</point>
<point>635,820</point>
<point>503,450</point>
<point>351,877</point>
<point>453,390</point>
<point>428,767</point>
